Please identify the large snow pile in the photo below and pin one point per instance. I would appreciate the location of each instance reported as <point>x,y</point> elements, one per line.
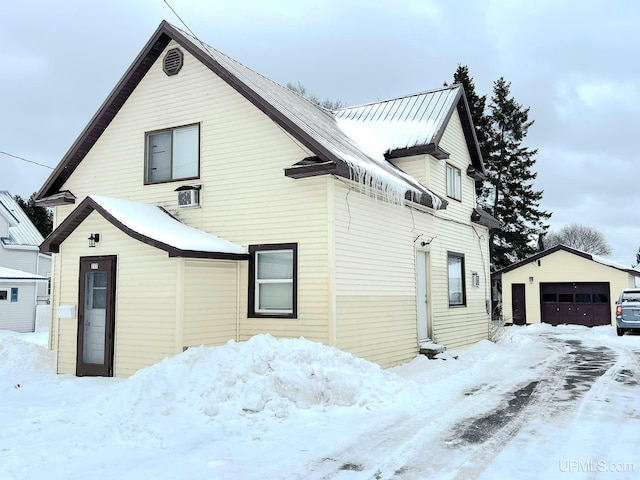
<point>261,380</point>
<point>21,360</point>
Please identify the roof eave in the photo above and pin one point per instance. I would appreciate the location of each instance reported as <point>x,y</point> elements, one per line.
<point>107,111</point>
<point>430,149</point>
<point>59,235</point>
<point>469,131</point>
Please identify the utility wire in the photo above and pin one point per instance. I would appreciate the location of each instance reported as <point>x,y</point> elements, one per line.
<point>25,160</point>
<point>182,21</point>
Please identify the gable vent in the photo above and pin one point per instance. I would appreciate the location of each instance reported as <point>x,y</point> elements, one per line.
<point>172,62</point>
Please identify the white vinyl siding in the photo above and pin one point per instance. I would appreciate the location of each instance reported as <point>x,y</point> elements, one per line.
<point>17,309</point>
<point>245,197</point>
<point>210,302</point>
<point>145,297</point>
<point>376,306</point>
<point>363,253</point>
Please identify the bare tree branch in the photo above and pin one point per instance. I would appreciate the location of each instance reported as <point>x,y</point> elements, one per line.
<point>580,237</point>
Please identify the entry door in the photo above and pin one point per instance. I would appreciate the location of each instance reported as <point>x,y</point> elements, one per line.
<point>518,304</point>
<point>96,316</point>
<point>425,331</point>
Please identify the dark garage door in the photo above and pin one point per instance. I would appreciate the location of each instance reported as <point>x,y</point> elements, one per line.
<point>580,303</point>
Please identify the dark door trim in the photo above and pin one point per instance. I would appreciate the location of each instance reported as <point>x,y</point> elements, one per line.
<point>105,264</point>
<point>518,304</point>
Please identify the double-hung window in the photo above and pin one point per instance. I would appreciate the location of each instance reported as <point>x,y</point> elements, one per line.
<point>273,280</point>
<point>454,182</point>
<point>3,294</point>
<point>172,154</point>
<point>457,293</point>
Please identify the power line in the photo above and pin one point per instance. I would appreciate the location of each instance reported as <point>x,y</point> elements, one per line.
<point>25,160</point>
<point>183,22</point>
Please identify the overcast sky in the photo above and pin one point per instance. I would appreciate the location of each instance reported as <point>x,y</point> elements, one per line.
<point>574,63</point>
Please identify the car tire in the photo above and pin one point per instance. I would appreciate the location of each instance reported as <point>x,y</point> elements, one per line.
<point>619,331</point>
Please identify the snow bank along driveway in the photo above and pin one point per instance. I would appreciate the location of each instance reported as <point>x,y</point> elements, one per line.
<point>544,402</point>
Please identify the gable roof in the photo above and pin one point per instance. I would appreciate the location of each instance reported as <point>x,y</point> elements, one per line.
<point>313,126</point>
<point>22,231</point>
<point>414,124</point>
<point>148,224</point>
<point>574,251</point>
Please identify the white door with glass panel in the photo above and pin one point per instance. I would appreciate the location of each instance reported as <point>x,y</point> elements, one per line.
<point>95,317</point>
<point>422,299</point>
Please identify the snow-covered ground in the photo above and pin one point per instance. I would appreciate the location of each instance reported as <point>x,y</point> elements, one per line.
<point>544,402</point>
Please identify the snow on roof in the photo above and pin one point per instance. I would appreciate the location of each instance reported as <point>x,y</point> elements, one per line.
<point>611,263</point>
<point>154,223</point>
<point>21,230</point>
<point>403,122</point>
<point>322,126</point>
<point>11,274</point>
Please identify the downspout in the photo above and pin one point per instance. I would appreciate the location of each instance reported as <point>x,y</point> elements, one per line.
<point>179,327</point>
<point>237,301</point>
<point>331,262</point>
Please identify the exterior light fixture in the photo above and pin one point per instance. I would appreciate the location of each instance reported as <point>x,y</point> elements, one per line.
<point>93,239</point>
<point>531,280</point>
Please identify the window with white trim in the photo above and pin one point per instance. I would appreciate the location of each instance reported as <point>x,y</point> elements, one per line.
<point>457,293</point>
<point>273,280</point>
<point>3,294</point>
<point>172,154</point>
<point>454,182</point>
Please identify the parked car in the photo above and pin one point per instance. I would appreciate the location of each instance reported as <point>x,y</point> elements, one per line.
<point>628,311</point>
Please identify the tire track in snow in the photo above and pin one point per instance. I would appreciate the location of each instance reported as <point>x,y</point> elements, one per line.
<point>575,375</point>
<point>412,447</point>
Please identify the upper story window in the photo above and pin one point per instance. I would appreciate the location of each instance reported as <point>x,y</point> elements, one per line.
<point>172,154</point>
<point>454,182</point>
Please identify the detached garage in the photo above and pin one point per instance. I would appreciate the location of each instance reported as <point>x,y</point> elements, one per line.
<point>562,285</point>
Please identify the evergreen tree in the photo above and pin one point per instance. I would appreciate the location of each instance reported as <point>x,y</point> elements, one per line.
<point>508,193</point>
<point>477,107</point>
<point>41,217</point>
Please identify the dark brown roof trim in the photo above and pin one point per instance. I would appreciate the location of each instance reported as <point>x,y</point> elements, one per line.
<point>565,248</point>
<point>300,170</point>
<point>431,149</point>
<point>484,218</point>
<point>474,173</point>
<point>106,113</point>
<point>59,235</point>
<point>62,198</point>
<point>143,62</point>
<point>469,132</point>
<point>314,169</point>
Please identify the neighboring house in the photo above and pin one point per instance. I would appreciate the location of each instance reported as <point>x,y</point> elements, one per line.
<point>356,228</point>
<point>23,269</point>
<point>563,285</point>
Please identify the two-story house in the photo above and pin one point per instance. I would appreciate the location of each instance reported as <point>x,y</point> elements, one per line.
<point>24,270</point>
<point>204,202</point>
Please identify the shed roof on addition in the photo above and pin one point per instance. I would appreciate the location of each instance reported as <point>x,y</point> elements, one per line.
<point>316,128</point>
<point>148,224</point>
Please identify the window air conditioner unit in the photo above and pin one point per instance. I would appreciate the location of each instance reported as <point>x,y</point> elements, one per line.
<point>188,197</point>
